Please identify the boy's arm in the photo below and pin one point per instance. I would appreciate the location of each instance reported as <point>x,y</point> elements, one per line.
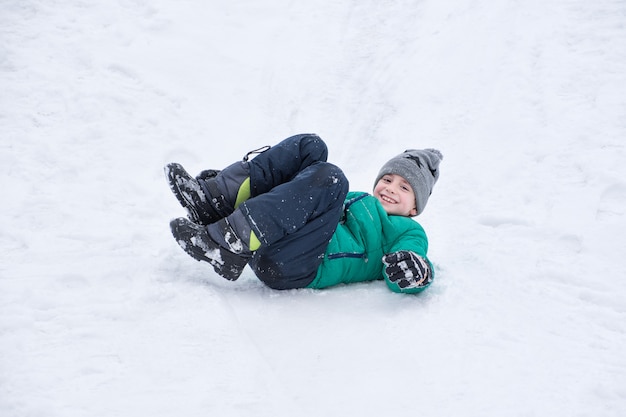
<point>406,268</point>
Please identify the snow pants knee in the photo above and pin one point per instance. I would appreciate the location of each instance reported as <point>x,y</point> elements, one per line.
<point>296,203</point>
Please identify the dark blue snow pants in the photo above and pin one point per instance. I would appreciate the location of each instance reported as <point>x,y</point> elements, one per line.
<point>295,205</point>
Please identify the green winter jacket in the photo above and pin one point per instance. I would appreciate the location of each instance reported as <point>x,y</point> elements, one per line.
<point>366,233</point>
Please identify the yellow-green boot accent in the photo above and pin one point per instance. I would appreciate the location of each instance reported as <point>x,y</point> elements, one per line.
<point>255,243</point>
<point>244,192</point>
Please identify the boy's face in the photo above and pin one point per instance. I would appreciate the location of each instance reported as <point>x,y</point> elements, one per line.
<point>396,195</point>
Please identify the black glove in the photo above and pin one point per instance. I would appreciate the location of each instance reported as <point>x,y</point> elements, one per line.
<point>407,269</point>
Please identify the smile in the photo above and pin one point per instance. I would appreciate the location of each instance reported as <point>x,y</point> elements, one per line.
<point>387,199</point>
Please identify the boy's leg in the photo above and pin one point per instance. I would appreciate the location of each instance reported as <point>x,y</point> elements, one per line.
<point>210,198</point>
<point>277,165</point>
<point>294,223</point>
<point>283,161</point>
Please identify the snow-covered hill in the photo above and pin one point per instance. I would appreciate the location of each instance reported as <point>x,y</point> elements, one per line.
<point>102,314</point>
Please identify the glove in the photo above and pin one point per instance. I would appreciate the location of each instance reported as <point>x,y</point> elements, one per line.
<point>407,269</point>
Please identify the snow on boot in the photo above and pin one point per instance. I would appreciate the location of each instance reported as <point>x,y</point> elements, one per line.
<point>191,195</point>
<point>195,240</point>
<point>233,233</point>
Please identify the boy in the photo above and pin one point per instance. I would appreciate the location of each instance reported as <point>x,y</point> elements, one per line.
<point>288,214</point>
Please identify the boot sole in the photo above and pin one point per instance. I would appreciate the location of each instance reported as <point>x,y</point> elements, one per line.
<point>172,180</point>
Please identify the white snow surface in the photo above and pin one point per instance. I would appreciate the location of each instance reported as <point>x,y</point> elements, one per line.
<point>103,314</point>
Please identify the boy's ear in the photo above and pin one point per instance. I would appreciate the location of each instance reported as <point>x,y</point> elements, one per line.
<point>413,212</point>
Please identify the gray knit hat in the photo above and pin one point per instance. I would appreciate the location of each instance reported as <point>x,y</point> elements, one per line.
<point>420,167</point>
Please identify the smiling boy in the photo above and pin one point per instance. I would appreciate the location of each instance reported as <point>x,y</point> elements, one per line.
<point>288,214</point>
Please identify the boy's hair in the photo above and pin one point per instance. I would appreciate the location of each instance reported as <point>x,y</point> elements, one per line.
<point>420,167</point>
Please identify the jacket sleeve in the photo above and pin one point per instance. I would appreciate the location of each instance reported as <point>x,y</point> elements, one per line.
<point>412,239</point>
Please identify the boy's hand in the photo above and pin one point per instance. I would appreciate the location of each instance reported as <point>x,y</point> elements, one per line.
<point>407,269</point>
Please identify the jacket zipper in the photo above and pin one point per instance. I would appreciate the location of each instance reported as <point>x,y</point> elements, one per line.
<point>347,255</point>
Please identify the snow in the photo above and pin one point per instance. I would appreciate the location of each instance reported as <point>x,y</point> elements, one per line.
<point>102,313</point>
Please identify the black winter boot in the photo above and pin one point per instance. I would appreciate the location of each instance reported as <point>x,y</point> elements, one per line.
<point>229,188</point>
<point>191,195</point>
<point>196,241</point>
<point>212,195</point>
